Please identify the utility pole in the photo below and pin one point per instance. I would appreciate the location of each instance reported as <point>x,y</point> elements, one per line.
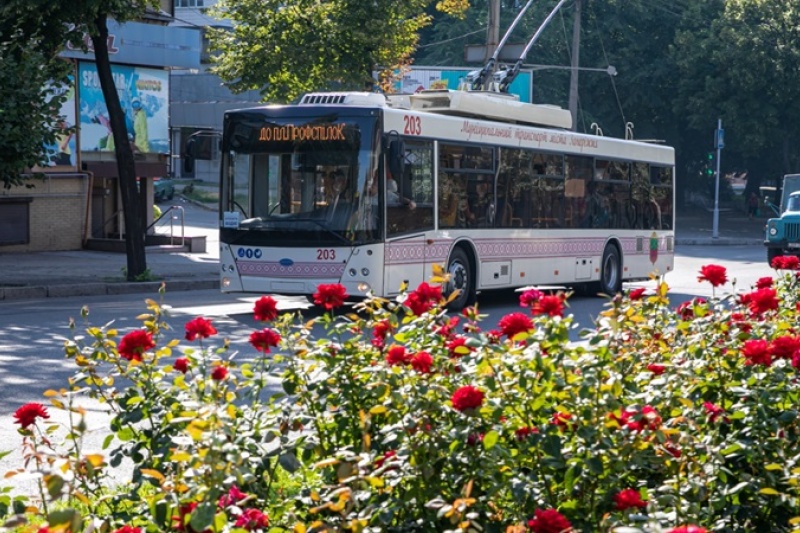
<point>493,33</point>
<point>576,59</point>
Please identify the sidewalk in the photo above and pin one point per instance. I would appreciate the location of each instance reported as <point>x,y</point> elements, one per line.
<point>85,273</point>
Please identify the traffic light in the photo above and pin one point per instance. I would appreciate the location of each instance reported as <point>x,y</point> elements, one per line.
<point>709,168</point>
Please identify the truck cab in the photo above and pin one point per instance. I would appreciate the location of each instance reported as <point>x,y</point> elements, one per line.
<point>783,233</point>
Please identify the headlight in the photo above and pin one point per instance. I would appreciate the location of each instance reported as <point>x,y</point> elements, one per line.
<point>773,231</point>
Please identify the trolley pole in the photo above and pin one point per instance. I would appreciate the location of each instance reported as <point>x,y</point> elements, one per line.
<point>719,143</point>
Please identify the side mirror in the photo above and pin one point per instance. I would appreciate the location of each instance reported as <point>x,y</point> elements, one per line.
<point>396,158</point>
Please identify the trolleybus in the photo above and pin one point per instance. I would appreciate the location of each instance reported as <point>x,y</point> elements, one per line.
<point>372,191</point>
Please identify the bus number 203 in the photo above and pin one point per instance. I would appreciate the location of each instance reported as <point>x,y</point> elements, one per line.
<point>326,254</point>
<point>413,125</point>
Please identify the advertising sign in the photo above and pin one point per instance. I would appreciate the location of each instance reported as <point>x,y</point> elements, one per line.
<point>424,78</point>
<point>63,153</point>
<point>144,95</point>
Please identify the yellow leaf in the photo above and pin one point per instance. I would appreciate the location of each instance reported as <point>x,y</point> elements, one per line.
<point>324,464</point>
<point>300,528</point>
<point>181,457</point>
<point>155,474</point>
<point>770,492</point>
<point>378,409</point>
<point>50,393</point>
<point>95,459</point>
<point>774,466</point>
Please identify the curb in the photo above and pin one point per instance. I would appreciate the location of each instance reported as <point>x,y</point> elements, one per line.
<point>33,292</point>
<point>720,241</point>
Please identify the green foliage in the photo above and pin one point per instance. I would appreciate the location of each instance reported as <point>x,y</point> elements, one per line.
<point>286,50</point>
<point>694,409</point>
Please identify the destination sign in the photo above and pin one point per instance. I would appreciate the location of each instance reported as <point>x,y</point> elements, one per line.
<point>308,132</point>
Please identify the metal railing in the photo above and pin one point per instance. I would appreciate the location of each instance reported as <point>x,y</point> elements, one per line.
<point>167,222</point>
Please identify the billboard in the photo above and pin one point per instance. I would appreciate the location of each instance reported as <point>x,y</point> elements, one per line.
<point>425,78</point>
<point>63,153</point>
<point>144,95</point>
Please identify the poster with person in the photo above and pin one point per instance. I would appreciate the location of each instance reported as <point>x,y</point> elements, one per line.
<point>62,153</point>
<point>144,96</point>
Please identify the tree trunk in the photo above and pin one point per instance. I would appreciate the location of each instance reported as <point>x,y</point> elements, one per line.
<point>126,169</point>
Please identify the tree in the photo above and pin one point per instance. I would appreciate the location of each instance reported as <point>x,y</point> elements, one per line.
<point>743,68</point>
<point>285,49</point>
<point>68,21</point>
<point>32,83</point>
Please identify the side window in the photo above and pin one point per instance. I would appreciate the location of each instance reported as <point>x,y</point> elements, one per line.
<point>413,209</point>
<point>466,186</point>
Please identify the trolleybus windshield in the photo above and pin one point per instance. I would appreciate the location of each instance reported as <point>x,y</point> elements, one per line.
<point>299,178</point>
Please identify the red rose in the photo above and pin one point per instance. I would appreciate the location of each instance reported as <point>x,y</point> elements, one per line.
<point>628,498</point>
<point>530,297</point>
<point>785,346</point>
<point>219,373</point>
<point>637,294</point>
<point>181,364</point>
<point>262,340</point>
<point>265,309</point>
<point>330,296</point>
<point>422,362</point>
<point>233,497</point>
<point>134,344</point>
<point>424,298</point>
<point>714,411</point>
<point>764,283</point>
<point>128,529</point>
<point>386,456</point>
<point>756,352</point>
<point>561,419</point>
<point>446,330</point>
<point>379,333</point>
<point>251,519</point>
<point>639,419</point>
<point>515,323</point>
<point>199,327</point>
<point>760,301</point>
<point>716,275</point>
<point>467,397</point>
<point>785,262</point>
<point>548,521</point>
<point>28,413</point>
<point>551,304</point>
<point>656,369</point>
<point>687,529</point>
<point>525,432</point>
<point>397,356</point>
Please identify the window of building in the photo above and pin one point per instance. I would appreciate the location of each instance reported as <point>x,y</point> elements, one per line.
<point>189,3</point>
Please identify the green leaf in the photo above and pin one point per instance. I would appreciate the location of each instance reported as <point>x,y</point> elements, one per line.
<point>289,462</point>
<point>490,439</point>
<point>202,516</point>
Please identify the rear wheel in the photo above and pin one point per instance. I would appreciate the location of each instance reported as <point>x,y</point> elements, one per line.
<point>610,271</point>
<point>772,253</point>
<point>461,279</point>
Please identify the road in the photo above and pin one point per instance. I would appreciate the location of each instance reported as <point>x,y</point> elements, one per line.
<point>33,333</point>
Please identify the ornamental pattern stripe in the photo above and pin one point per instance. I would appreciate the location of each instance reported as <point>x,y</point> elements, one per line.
<point>297,270</point>
<point>401,253</point>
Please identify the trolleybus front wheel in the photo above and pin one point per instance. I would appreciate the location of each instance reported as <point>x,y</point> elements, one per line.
<point>610,271</point>
<point>461,275</point>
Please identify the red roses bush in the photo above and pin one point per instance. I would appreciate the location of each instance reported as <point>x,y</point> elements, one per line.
<point>400,418</point>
